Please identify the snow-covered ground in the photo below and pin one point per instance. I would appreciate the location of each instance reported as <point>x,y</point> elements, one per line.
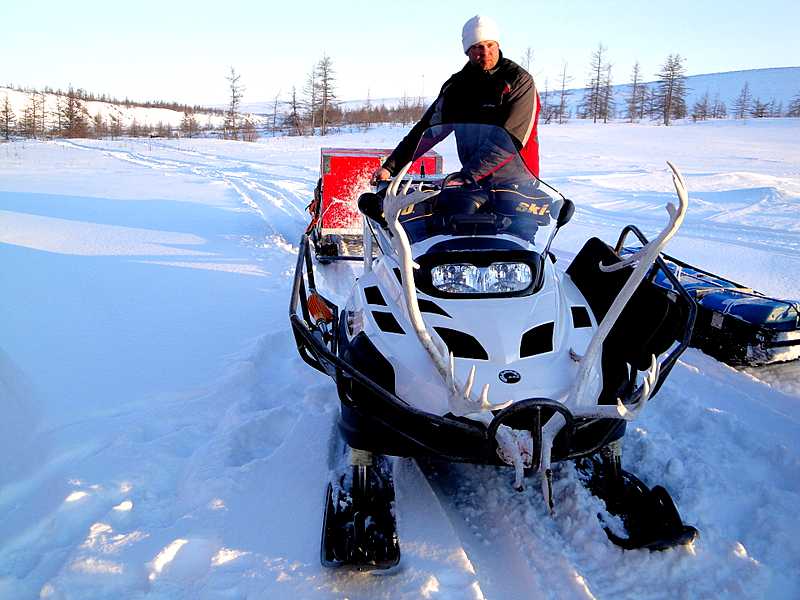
<point>161,438</point>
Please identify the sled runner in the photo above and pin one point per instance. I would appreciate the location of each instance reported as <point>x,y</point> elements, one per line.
<point>335,227</point>
<point>735,324</point>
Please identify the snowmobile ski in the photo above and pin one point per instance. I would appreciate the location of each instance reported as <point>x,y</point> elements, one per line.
<point>651,519</point>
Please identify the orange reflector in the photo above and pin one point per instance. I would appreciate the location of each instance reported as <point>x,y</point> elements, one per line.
<point>319,309</point>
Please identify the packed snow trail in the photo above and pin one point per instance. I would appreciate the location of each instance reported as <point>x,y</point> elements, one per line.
<point>168,442</point>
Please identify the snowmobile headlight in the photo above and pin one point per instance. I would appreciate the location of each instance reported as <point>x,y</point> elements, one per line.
<point>497,278</point>
<point>456,278</point>
<point>506,277</point>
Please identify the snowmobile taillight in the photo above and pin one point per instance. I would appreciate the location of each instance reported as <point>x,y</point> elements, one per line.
<point>319,309</point>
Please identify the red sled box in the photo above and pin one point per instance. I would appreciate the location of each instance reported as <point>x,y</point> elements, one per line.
<point>345,176</point>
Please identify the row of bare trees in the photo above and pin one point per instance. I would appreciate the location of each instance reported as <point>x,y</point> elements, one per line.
<point>316,109</point>
<point>663,100</point>
<point>67,116</point>
<point>87,96</point>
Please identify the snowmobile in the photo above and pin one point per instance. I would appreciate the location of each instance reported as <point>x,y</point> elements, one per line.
<point>463,340</point>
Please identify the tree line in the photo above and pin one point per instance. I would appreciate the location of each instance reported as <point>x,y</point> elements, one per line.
<point>86,96</point>
<point>316,110</point>
<point>663,100</point>
<point>65,114</point>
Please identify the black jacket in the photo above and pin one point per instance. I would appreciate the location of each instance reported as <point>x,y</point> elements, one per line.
<point>506,96</point>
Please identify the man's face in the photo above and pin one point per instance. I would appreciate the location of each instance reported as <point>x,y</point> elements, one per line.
<point>484,54</point>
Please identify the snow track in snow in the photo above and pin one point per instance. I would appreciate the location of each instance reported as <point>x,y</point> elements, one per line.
<point>279,200</point>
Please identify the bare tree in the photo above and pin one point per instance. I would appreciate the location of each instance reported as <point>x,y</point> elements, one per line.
<point>561,111</point>
<point>189,125</point>
<point>701,109</point>
<point>99,126</point>
<point>163,129</point>
<point>648,107</point>
<point>311,91</point>
<point>634,101</point>
<point>718,108</point>
<point>527,59</point>
<point>75,116</point>
<point>793,109</point>
<point>743,102</point>
<point>607,104</point>
<point>275,114</point>
<point>115,125</point>
<point>42,112</point>
<point>293,120</point>
<point>231,126</point>
<point>671,94</point>
<point>592,105</point>
<point>405,109</point>
<point>759,109</point>
<point>58,115</point>
<point>546,110</point>
<point>31,116</point>
<point>249,132</point>
<point>327,92</point>
<point>367,118</point>
<point>8,119</point>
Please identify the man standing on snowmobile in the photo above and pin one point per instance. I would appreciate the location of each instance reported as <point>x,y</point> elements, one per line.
<point>490,89</point>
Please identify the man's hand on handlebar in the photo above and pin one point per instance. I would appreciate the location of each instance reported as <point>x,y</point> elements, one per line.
<point>380,174</point>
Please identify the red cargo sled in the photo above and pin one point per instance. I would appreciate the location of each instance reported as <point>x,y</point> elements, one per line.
<point>336,227</point>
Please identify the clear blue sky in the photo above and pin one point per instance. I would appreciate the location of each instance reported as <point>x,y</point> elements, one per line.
<point>182,50</point>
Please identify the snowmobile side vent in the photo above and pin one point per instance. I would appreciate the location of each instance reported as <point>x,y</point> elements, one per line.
<point>374,296</point>
<point>433,308</point>
<point>387,322</point>
<point>537,340</point>
<point>461,344</point>
<point>319,309</point>
<point>580,317</point>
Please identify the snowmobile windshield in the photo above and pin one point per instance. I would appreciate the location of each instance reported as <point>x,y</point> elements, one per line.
<point>489,189</point>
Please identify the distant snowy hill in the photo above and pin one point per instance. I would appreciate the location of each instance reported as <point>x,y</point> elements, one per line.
<point>780,84</point>
<point>142,115</point>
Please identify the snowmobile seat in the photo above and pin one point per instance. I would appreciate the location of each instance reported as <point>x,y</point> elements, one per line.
<point>649,325</point>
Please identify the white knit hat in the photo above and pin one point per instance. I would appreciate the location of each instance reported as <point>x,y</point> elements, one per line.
<point>479,29</point>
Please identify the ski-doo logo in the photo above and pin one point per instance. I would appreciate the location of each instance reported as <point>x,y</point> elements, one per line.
<point>533,208</point>
<point>509,376</point>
